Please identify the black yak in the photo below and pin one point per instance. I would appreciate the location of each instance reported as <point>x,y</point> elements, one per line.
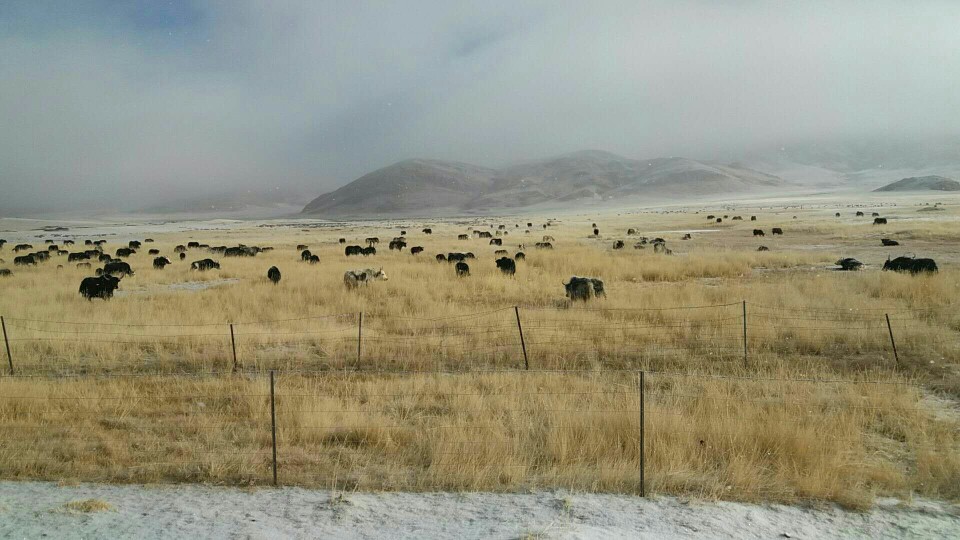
<point>910,264</point>
<point>117,268</point>
<point>583,288</point>
<point>273,274</point>
<point>160,262</point>
<point>205,264</point>
<point>99,287</point>
<point>507,265</point>
<point>463,269</point>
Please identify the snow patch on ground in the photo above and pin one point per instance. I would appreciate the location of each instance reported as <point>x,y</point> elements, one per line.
<point>35,509</point>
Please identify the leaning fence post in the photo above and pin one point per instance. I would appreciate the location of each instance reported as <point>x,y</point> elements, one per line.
<point>523,345</point>
<point>233,343</point>
<point>643,484</point>
<point>359,336</point>
<point>744,333</point>
<point>273,424</point>
<point>6,342</point>
<point>896,356</point>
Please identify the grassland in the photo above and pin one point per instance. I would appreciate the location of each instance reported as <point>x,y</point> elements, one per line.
<point>717,425</point>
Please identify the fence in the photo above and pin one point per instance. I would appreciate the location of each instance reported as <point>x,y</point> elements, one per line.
<point>619,431</point>
<point>522,337</point>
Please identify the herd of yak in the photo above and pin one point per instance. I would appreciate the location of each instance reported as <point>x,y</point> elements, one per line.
<point>107,278</point>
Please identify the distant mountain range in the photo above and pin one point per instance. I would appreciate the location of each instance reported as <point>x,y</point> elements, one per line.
<point>421,186</point>
<point>919,183</point>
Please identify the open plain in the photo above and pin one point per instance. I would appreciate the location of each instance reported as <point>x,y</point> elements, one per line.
<point>761,375</point>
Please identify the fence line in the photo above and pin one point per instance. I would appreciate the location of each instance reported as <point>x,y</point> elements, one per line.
<point>595,421</point>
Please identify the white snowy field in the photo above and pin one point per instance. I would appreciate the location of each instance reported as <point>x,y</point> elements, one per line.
<point>38,510</point>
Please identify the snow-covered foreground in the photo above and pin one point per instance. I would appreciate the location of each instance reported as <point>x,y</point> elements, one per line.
<point>37,509</point>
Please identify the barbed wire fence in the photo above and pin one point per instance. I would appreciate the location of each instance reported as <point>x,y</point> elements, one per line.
<point>523,337</point>
<point>618,430</point>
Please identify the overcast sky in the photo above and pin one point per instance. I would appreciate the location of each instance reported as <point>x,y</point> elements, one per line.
<point>127,102</point>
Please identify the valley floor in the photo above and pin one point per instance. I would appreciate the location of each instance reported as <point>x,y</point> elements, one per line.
<point>39,509</point>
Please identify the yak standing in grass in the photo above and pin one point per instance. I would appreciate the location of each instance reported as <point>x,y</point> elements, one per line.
<point>849,264</point>
<point>579,288</point>
<point>354,278</point>
<point>507,265</point>
<point>273,274</point>
<point>911,264</point>
<point>205,264</point>
<point>160,262</point>
<point>99,287</point>
<point>463,269</point>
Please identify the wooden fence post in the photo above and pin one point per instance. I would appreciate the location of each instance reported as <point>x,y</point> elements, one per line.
<point>359,336</point>
<point>896,356</point>
<point>643,450</point>
<point>273,424</point>
<point>233,343</point>
<point>744,333</point>
<point>6,342</point>
<point>523,344</point>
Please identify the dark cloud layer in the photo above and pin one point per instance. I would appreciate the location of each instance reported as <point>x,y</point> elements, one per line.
<point>126,104</point>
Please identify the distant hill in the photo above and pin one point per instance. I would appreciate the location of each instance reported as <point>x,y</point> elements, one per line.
<point>920,183</point>
<point>431,186</point>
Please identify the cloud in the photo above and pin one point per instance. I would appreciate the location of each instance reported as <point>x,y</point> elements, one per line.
<point>110,107</point>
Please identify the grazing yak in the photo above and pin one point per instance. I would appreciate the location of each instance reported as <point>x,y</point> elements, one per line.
<point>273,274</point>
<point>859,213</point>
<point>397,244</point>
<point>149,240</point>
<point>579,288</point>
<point>463,237</point>
<point>631,232</point>
<point>240,251</point>
<point>81,256</point>
<point>305,255</point>
<point>763,248</point>
<point>838,214</point>
<point>758,232</point>
<point>596,232</point>
<point>160,262</point>
<point>875,214</point>
<point>507,265</point>
<point>441,257</point>
<point>118,268</point>
<point>22,247</point>
<point>416,250</point>
<point>880,221</point>
<point>104,258</point>
<point>354,278</point>
<point>687,236</point>
<point>153,252</point>
<point>849,264</point>
<point>133,244</point>
<point>314,259</point>
<point>352,250</point>
<point>372,240</point>
<point>483,234</point>
<point>618,244</point>
<point>5,272</point>
<point>889,242</point>
<point>910,264</point>
<point>456,257</point>
<point>428,231</point>
<point>496,241</point>
<point>776,230</point>
<point>343,240</point>
<point>180,249</point>
<point>520,256</point>
<point>753,218</point>
<point>301,247</point>
<point>183,256</point>
<point>99,287</point>
<point>205,264</point>
<point>463,269</point>
<point>193,245</point>
<point>24,260</point>
<point>125,252</point>
<point>53,247</point>
<point>368,251</point>
<point>543,245</point>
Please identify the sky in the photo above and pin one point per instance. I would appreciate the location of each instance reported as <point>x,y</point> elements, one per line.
<point>129,103</point>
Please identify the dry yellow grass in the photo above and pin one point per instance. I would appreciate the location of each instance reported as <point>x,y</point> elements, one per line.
<point>707,435</point>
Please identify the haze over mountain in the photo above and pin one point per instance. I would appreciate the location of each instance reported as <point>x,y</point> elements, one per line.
<point>124,105</point>
<point>433,186</point>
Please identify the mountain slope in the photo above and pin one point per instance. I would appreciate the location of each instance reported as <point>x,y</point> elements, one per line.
<point>437,186</point>
<point>408,186</point>
<point>918,183</point>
